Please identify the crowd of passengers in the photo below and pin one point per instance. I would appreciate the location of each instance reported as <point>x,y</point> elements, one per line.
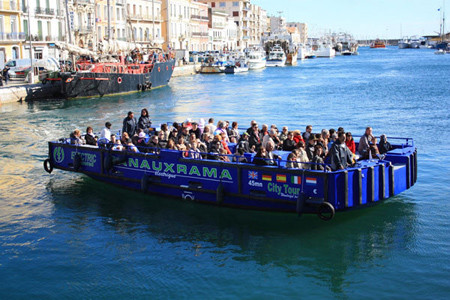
<point>331,149</point>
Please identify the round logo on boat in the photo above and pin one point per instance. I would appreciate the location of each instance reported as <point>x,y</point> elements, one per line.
<point>58,154</point>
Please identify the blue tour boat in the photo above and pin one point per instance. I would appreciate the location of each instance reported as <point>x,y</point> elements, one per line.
<point>244,185</point>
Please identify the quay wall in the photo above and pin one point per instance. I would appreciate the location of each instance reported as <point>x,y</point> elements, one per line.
<point>29,92</point>
<point>185,70</point>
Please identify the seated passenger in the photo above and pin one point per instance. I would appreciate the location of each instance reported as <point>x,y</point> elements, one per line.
<point>90,138</point>
<point>131,147</point>
<point>364,143</point>
<point>106,132</point>
<point>307,133</point>
<point>124,138</point>
<point>171,145</point>
<point>117,145</point>
<point>271,157</point>
<point>195,130</point>
<point>310,147</point>
<point>254,136</point>
<point>283,134</point>
<point>184,133</point>
<point>291,161</point>
<point>317,159</point>
<point>181,146</point>
<point>162,143</point>
<point>340,155</point>
<point>289,143</point>
<point>234,131</point>
<point>239,156</point>
<point>259,158</point>
<point>350,142</point>
<point>244,144</point>
<point>164,133</point>
<point>153,144</point>
<point>384,146</point>
<point>194,152</point>
<point>302,156</point>
<point>224,156</point>
<point>297,136</point>
<point>333,139</point>
<point>76,139</point>
<point>139,141</point>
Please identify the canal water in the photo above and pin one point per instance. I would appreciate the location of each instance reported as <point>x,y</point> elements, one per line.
<point>65,235</point>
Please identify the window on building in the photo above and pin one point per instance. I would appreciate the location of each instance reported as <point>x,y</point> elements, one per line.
<point>99,32</point>
<point>213,4</point>
<point>25,26</point>
<point>235,14</point>
<point>157,32</point>
<point>235,3</point>
<point>49,31</point>
<point>105,12</point>
<point>222,4</point>
<point>118,14</point>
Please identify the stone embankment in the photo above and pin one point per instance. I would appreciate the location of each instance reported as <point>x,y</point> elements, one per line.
<point>15,91</point>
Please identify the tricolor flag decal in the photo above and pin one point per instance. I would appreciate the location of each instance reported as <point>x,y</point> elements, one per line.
<point>252,175</point>
<point>267,177</point>
<point>281,178</point>
<point>296,179</point>
<point>311,180</point>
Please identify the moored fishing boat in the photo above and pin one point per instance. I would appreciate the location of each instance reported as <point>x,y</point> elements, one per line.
<point>256,59</point>
<point>277,57</point>
<point>244,185</point>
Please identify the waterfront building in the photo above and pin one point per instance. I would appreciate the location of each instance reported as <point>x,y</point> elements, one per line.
<point>302,29</point>
<point>82,24</point>
<point>295,34</point>
<point>223,31</point>
<point>118,20</point>
<point>257,25</point>
<point>198,27</point>
<point>11,31</point>
<point>47,26</point>
<point>241,12</point>
<point>175,25</point>
<point>145,21</point>
<point>277,24</point>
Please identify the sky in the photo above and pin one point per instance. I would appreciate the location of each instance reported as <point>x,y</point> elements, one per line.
<point>365,19</point>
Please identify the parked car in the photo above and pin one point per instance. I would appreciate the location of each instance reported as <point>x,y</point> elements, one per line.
<point>18,66</point>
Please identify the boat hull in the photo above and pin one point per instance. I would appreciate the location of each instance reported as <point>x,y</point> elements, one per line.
<point>256,64</point>
<point>276,63</point>
<point>90,84</point>
<point>241,185</point>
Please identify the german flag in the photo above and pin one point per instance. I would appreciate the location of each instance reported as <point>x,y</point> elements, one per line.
<point>267,177</point>
<point>281,178</point>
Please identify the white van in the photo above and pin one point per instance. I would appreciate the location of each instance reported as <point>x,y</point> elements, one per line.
<point>18,65</point>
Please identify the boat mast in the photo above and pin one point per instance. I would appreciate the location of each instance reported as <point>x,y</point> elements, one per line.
<point>109,20</point>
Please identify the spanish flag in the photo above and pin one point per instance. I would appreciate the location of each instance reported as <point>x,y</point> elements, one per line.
<point>267,177</point>
<point>281,178</point>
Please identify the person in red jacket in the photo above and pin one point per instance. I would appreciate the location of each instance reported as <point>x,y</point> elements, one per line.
<point>350,142</point>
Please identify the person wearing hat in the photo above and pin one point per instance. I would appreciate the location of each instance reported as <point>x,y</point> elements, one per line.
<point>130,124</point>
<point>244,144</point>
<point>106,132</point>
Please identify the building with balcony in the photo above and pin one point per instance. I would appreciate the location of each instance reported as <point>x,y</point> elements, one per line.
<point>176,31</point>
<point>117,16</point>
<point>222,31</point>
<point>82,24</point>
<point>245,18</point>
<point>11,31</point>
<point>46,21</point>
<point>145,19</point>
<point>199,26</point>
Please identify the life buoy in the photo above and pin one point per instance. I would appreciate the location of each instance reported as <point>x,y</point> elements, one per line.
<point>326,211</point>
<point>159,69</point>
<point>48,167</point>
<point>119,80</point>
<point>69,79</point>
